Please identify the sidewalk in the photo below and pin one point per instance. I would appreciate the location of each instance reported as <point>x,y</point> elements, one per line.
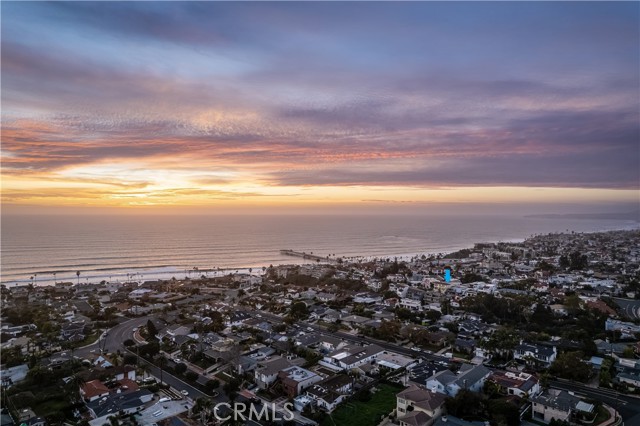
<point>615,419</point>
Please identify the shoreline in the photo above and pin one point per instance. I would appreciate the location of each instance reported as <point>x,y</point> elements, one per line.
<point>165,272</point>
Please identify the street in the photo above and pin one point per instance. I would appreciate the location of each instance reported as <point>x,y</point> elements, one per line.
<point>627,406</point>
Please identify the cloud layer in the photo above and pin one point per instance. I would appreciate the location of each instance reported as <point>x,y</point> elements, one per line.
<point>180,102</point>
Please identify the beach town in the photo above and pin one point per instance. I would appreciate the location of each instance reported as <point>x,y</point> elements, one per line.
<point>546,331</point>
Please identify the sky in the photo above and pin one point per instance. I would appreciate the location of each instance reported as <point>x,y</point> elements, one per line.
<point>365,105</point>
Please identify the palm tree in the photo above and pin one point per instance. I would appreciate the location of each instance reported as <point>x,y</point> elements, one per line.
<point>162,362</point>
<point>78,275</point>
<point>75,384</point>
<point>54,278</point>
<point>144,369</point>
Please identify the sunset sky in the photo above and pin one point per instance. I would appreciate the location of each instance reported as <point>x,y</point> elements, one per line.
<point>238,105</point>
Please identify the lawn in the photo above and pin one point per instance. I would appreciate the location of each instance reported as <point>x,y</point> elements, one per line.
<point>603,415</point>
<point>91,338</point>
<point>358,413</point>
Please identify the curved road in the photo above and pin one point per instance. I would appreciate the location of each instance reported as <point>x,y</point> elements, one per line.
<point>113,339</point>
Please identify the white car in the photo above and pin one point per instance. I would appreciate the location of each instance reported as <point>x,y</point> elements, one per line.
<point>164,399</point>
<point>184,392</point>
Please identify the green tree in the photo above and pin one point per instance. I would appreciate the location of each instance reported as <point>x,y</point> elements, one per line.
<point>152,331</point>
<point>569,365</point>
<point>299,311</point>
<point>231,388</point>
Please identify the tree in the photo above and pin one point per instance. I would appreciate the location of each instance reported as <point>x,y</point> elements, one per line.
<point>180,368</point>
<point>465,404</point>
<point>152,331</point>
<point>578,261</point>
<point>299,311</point>
<point>212,385</point>
<point>231,388</point>
<point>74,385</point>
<point>388,330</point>
<point>569,365</point>
<point>78,275</point>
<point>162,362</point>
<point>572,303</point>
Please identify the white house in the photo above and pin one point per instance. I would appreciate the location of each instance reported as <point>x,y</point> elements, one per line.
<point>351,357</point>
<point>331,391</point>
<point>529,351</point>
<point>471,377</point>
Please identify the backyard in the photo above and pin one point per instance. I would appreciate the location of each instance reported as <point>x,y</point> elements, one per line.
<point>369,413</point>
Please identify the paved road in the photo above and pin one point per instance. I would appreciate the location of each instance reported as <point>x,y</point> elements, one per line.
<point>630,307</point>
<point>627,406</point>
<point>171,380</point>
<point>364,340</point>
<point>113,339</point>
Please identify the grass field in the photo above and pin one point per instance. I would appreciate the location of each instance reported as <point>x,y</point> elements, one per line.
<point>358,413</point>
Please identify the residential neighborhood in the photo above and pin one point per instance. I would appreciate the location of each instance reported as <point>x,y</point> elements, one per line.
<point>546,331</point>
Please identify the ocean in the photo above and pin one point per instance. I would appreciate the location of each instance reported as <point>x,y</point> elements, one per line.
<point>119,248</point>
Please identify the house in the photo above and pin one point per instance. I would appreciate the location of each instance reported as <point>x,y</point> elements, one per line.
<point>471,377</point>
<point>394,361</point>
<point>553,404</point>
<point>354,320</point>
<point>464,345</point>
<point>119,403</point>
<point>295,379</point>
<point>93,390</point>
<point>529,352</point>
<point>628,371</point>
<point>420,373</point>
<point>236,318</point>
<point>519,384</point>
<point>326,297</point>
<point>74,331</point>
<point>330,343</point>
<point>12,375</point>
<point>439,338</point>
<point>411,304</point>
<point>331,391</point>
<point>351,356</point>
<point>418,406</point>
<point>267,371</point>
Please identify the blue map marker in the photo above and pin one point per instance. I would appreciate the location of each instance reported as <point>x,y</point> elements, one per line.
<point>447,275</point>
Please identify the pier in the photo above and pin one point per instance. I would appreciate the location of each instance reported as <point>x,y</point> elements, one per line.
<point>307,256</point>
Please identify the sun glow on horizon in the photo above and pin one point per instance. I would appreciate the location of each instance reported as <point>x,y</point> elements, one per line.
<point>258,105</point>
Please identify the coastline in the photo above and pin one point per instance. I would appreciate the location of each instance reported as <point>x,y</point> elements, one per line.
<point>167,272</point>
